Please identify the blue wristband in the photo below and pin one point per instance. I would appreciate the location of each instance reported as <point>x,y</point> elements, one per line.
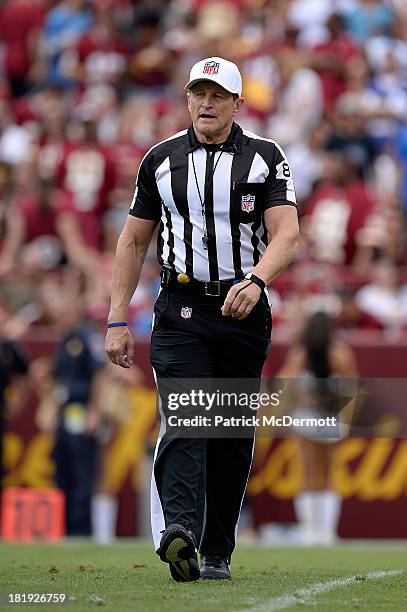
<point>118,324</point>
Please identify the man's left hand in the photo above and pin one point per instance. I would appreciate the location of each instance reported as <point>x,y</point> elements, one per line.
<point>241,299</point>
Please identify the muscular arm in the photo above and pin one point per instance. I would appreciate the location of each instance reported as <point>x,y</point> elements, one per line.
<point>282,225</point>
<point>130,254</point>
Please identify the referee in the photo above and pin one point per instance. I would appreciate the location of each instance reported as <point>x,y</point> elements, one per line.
<point>225,203</point>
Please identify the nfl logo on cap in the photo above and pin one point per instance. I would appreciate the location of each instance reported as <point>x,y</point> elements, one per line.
<point>220,71</point>
<point>186,312</point>
<point>211,68</point>
<point>248,202</point>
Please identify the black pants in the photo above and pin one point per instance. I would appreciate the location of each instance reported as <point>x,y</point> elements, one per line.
<point>200,483</point>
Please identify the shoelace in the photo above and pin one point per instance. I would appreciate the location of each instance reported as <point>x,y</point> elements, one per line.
<point>215,561</point>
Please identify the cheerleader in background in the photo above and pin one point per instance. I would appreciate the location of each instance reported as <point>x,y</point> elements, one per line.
<point>315,362</point>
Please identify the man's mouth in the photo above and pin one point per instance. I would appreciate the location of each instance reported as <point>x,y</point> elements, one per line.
<point>206,116</point>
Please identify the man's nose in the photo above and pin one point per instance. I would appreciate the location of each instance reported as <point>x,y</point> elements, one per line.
<point>207,101</point>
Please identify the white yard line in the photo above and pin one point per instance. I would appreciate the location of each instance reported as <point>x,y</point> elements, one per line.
<point>304,596</point>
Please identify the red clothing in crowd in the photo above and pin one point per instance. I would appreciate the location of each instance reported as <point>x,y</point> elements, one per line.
<point>18,19</point>
<point>361,320</point>
<point>104,60</point>
<point>89,223</point>
<point>336,215</point>
<point>38,221</point>
<point>50,156</point>
<point>198,4</point>
<point>86,176</point>
<point>127,158</point>
<point>341,50</point>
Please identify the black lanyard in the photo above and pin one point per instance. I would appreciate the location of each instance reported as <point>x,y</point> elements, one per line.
<point>205,238</point>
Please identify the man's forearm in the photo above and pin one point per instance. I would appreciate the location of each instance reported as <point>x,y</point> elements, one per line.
<point>126,274</point>
<point>278,255</point>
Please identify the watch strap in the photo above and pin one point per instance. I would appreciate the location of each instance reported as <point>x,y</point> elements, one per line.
<point>256,280</point>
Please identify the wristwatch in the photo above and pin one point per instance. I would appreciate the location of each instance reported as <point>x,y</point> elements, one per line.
<point>256,280</point>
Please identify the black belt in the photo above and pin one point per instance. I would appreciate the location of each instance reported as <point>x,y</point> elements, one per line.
<point>183,282</point>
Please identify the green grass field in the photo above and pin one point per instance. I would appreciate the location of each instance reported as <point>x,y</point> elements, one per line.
<point>129,576</point>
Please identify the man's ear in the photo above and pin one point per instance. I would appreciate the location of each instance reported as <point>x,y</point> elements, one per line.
<point>188,100</point>
<point>238,105</point>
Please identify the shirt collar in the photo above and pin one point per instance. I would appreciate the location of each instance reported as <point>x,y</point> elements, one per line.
<point>232,145</point>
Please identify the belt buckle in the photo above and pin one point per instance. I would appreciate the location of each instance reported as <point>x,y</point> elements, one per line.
<point>208,293</point>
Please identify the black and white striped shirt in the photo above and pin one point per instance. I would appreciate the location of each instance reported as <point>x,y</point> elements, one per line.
<point>251,175</point>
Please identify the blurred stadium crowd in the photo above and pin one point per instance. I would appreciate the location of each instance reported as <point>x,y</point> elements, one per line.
<point>87,87</point>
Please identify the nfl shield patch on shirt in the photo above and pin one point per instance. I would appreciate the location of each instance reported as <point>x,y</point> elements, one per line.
<point>248,203</point>
<point>186,312</point>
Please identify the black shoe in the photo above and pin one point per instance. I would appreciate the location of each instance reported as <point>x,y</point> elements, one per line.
<point>215,568</point>
<point>178,548</point>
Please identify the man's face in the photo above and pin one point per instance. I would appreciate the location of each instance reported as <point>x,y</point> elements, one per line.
<point>212,108</point>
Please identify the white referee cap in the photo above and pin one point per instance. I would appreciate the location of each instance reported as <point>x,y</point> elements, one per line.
<point>220,71</point>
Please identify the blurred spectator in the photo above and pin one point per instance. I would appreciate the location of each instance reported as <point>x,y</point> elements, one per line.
<point>6,224</point>
<point>349,135</point>
<point>32,221</point>
<point>40,233</point>
<point>330,58</point>
<point>337,210</point>
<point>384,236</point>
<point>389,83</point>
<point>306,160</point>
<point>13,369</point>
<point>384,298</point>
<point>312,288</point>
<point>15,140</point>
<point>20,26</point>
<point>101,54</point>
<point>86,88</point>
<point>352,316</point>
<point>401,149</point>
<point>64,26</point>
<point>391,42</point>
<point>310,22</point>
<point>100,102</point>
<point>86,175</point>
<point>52,138</point>
<point>151,63</point>
<point>370,17</point>
<point>379,106</point>
<point>300,106</point>
<point>73,380</point>
<point>117,407</point>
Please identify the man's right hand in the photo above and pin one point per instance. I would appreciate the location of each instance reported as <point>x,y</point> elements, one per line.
<point>119,345</point>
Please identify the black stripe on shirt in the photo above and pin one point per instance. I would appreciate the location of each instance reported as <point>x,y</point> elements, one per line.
<point>210,219</point>
<point>240,171</point>
<point>171,254</point>
<point>179,187</point>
